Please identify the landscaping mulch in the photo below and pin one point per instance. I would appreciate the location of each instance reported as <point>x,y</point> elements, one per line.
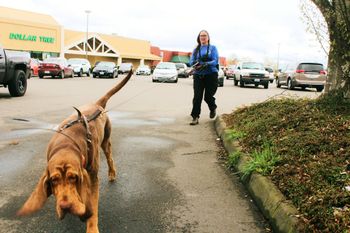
<point>312,140</point>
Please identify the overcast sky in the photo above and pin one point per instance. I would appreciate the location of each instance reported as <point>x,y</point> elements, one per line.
<point>255,29</point>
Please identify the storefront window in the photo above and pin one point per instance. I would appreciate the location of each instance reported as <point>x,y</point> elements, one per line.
<point>48,55</point>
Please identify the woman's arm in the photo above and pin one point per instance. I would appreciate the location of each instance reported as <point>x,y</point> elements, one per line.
<point>214,56</point>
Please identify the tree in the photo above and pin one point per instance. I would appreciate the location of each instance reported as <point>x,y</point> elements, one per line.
<point>337,16</point>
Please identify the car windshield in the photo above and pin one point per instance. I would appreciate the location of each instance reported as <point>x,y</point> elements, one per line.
<point>74,61</point>
<point>125,65</point>
<point>165,66</point>
<point>268,69</point>
<point>311,67</point>
<point>179,66</point>
<point>105,64</point>
<point>252,66</point>
<point>231,67</point>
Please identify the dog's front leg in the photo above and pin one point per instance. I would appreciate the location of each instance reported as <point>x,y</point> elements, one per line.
<point>92,222</point>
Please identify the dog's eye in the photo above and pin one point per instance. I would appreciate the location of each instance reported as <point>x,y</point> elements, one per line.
<point>55,181</point>
<point>72,179</point>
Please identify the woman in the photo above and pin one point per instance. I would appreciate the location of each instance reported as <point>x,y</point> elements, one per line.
<point>205,60</point>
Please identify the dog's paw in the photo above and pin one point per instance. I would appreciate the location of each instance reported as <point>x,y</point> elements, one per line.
<point>111,175</point>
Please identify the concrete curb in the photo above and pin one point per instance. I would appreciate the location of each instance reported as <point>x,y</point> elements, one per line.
<point>272,203</point>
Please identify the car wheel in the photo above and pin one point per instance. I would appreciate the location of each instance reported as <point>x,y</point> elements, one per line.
<point>41,76</point>
<point>80,73</point>
<point>266,85</point>
<point>235,82</point>
<point>18,85</point>
<point>278,83</point>
<point>319,89</point>
<point>256,84</point>
<point>88,73</point>
<point>61,75</point>
<point>290,84</point>
<point>241,83</point>
<point>271,81</point>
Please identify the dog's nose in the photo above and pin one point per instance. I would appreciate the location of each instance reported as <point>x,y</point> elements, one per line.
<point>65,205</point>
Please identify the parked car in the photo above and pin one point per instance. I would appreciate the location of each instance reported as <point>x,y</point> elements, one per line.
<point>125,68</point>
<point>230,71</point>
<point>221,77</point>
<point>304,74</point>
<point>271,74</point>
<point>34,66</point>
<point>105,69</point>
<point>14,72</point>
<point>143,70</point>
<point>251,73</point>
<point>80,66</point>
<point>55,67</point>
<point>182,70</point>
<point>165,72</point>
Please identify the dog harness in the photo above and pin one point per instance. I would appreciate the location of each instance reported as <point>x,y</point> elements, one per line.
<point>85,121</point>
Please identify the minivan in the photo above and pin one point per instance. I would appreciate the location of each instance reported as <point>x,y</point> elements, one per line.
<point>304,74</point>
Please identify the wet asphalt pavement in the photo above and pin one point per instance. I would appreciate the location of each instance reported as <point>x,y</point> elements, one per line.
<point>168,176</point>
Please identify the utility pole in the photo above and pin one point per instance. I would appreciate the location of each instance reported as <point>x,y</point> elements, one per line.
<point>278,56</point>
<point>87,31</point>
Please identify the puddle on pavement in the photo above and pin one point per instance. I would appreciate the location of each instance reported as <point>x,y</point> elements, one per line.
<point>147,142</point>
<point>26,127</point>
<point>124,119</point>
<point>29,126</point>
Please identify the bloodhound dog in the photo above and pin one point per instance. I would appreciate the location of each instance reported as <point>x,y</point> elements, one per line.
<point>73,159</point>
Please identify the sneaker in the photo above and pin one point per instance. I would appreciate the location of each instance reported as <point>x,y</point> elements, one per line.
<point>194,121</point>
<point>212,114</point>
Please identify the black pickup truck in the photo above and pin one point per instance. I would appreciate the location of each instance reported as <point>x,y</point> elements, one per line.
<point>14,72</point>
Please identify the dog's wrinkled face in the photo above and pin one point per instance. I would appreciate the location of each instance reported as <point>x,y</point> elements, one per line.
<point>66,181</point>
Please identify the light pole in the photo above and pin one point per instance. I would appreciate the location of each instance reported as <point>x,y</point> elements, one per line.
<point>278,56</point>
<point>87,31</point>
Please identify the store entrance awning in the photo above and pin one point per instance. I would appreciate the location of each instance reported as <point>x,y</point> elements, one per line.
<point>180,59</point>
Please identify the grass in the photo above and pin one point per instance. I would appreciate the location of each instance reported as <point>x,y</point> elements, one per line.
<point>233,159</point>
<point>262,162</point>
<point>303,145</point>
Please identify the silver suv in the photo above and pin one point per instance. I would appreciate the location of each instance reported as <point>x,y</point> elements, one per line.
<point>80,66</point>
<point>305,74</point>
<point>181,70</point>
<point>125,68</point>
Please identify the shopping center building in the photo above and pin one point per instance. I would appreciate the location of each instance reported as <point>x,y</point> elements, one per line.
<point>38,34</point>
<point>42,36</point>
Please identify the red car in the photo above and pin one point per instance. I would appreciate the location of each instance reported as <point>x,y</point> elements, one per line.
<point>55,67</point>
<point>34,66</point>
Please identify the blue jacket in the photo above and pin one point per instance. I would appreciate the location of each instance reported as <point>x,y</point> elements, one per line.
<point>213,59</point>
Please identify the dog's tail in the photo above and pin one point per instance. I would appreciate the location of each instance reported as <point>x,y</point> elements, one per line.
<point>103,100</point>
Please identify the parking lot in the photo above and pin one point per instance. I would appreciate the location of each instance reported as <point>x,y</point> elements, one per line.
<point>169,179</point>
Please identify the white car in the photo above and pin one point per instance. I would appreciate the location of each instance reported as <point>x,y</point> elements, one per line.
<point>251,73</point>
<point>221,77</point>
<point>80,66</point>
<point>165,72</point>
<point>143,70</point>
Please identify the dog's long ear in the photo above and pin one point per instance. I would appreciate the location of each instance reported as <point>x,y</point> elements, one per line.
<point>38,197</point>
